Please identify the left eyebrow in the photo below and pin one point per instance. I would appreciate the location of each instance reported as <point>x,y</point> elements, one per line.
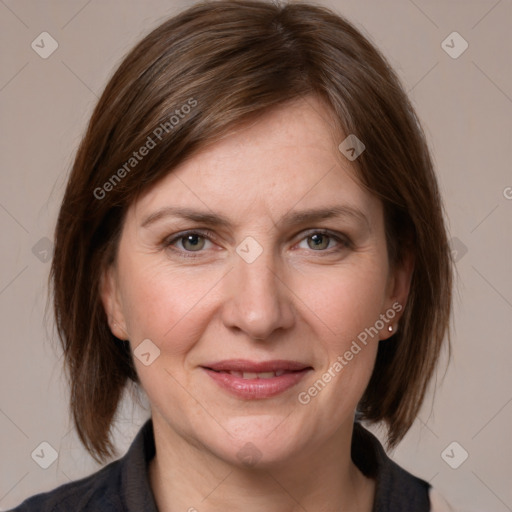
<point>289,219</point>
<point>315,214</point>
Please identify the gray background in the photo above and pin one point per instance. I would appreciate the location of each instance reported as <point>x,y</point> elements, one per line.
<point>465,104</point>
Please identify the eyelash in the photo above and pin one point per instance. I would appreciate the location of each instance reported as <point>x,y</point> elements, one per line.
<point>343,240</point>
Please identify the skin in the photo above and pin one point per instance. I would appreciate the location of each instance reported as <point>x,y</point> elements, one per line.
<point>295,301</point>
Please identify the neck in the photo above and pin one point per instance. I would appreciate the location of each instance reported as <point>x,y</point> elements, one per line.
<point>185,476</point>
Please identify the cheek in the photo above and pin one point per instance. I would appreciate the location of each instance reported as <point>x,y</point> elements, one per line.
<point>345,301</point>
<point>165,305</point>
<point>345,306</point>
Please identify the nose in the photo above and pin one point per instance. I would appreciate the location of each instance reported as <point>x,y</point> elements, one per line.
<point>257,298</point>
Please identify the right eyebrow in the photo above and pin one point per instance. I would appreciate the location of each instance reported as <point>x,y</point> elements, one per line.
<point>187,214</point>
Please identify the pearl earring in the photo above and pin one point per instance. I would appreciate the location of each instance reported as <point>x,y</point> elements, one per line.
<point>390,328</point>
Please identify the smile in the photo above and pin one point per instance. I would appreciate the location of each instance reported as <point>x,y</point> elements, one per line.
<point>256,380</point>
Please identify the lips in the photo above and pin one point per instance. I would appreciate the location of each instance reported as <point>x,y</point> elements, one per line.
<point>250,380</point>
<point>246,366</point>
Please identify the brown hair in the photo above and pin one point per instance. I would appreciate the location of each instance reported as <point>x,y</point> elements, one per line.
<point>229,62</point>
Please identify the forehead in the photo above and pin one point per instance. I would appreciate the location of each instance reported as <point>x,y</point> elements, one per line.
<point>286,159</point>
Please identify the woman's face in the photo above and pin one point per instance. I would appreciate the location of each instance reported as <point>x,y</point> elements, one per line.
<point>225,264</point>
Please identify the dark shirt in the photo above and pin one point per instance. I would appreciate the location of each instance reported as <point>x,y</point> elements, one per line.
<point>123,485</point>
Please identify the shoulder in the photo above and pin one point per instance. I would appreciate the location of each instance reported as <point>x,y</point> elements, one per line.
<point>119,486</point>
<point>396,489</point>
<point>98,491</point>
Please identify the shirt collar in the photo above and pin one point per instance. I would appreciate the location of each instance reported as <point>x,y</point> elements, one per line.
<point>135,487</point>
<point>367,453</point>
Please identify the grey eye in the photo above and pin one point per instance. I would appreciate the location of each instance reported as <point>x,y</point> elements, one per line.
<point>195,242</point>
<point>320,241</point>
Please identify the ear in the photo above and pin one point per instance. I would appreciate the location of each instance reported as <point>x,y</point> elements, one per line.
<point>397,292</point>
<point>110,297</point>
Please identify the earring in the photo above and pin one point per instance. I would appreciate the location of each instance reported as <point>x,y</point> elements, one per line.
<point>390,328</point>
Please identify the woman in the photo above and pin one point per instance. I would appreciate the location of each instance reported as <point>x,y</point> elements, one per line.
<point>252,233</point>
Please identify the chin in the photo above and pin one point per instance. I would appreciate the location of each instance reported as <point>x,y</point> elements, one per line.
<point>255,441</point>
